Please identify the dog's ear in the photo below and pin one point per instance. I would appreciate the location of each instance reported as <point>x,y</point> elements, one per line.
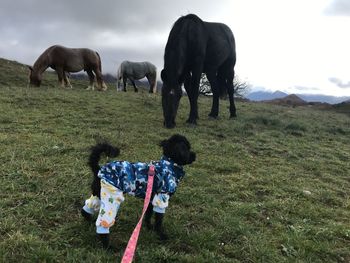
<point>163,143</point>
<point>192,157</point>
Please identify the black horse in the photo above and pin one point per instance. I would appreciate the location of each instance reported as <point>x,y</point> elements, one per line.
<point>195,46</point>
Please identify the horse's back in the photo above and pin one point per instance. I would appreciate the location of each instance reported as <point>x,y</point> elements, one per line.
<point>137,70</point>
<point>74,59</point>
<point>221,45</point>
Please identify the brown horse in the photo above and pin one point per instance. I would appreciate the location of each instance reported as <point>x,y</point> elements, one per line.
<point>64,60</point>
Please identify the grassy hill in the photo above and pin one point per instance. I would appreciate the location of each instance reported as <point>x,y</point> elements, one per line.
<point>290,100</point>
<point>14,74</point>
<point>270,186</point>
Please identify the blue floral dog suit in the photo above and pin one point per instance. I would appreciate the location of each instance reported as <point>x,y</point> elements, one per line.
<point>119,177</point>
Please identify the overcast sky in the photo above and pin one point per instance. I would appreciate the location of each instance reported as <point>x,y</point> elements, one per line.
<point>297,46</point>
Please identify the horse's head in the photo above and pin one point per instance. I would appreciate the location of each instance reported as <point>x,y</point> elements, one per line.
<point>171,95</point>
<point>34,77</point>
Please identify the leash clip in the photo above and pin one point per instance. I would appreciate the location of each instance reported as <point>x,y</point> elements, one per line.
<point>151,170</point>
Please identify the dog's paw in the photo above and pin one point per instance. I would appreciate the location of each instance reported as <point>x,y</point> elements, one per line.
<point>86,215</point>
<point>162,235</point>
<point>104,238</point>
<point>148,225</point>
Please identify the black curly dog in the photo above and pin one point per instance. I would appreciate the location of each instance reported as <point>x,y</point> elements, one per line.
<point>176,149</point>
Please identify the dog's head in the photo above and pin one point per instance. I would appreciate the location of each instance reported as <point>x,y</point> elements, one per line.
<point>178,149</point>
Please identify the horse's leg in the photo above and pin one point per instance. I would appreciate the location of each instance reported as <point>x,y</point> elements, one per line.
<point>226,74</point>
<point>152,83</point>
<point>214,84</point>
<point>100,84</point>
<point>189,91</point>
<point>91,79</point>
<point>133,83</point>
<point>193,94</point>
<point>66,80</point>
<point>124,83</point>
<point>118,84</point>
<point>61,76</point>
<point>230,91</point>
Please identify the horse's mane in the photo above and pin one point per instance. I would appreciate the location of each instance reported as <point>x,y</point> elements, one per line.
<point>43,60</point>
<point>183,39</point>
<point>179,29</point>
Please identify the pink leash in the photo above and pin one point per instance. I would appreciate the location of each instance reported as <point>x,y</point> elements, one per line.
<point>131,247</point>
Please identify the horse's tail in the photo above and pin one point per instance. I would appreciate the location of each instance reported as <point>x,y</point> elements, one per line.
<point>155,81</point>
<point>102,84</point>
<point>154,78</point>
<point>226,72</point>
<point>99,62</point>
<point>119,75</point>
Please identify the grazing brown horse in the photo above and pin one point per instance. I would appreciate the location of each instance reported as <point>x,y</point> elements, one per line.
<point>64,60</point>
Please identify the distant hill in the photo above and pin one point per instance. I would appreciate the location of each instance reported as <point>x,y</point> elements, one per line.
<point>289,100</point>
<point>323,98</point>
<point>343,107</point>
<point>109,78</point>
<point>267,95</point>
<point>294,100</point>
<point>15,74</point>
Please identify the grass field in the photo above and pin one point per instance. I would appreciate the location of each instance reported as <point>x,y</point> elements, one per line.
<point>270,186</point>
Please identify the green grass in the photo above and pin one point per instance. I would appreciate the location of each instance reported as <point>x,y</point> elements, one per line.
<point>243,200</point>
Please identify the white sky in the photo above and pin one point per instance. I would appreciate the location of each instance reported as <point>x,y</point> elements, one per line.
<point>296,46</point>
<point>292,46</point>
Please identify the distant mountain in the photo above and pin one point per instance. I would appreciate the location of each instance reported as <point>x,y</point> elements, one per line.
<point>323,98</point>
<point>267,95</point>
<point>290,100</point>
<point>343,107</point>
<point>108,78</point>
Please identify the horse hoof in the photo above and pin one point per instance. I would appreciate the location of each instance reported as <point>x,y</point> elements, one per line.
<point>169,125</point>
<point>213,117</point>
<point>191,123</point>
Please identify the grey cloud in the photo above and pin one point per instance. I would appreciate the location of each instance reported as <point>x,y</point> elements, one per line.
<point>306,88</point>
<point>119,15</point>
<point>338,8</point>
<point>340,83</point>
<point>28,27</point>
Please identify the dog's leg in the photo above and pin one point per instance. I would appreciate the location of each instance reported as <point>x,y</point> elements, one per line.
<point>148,216</point>
<point>111,198</point>
<point>104,238</point>
<point>158,226</point>
<point>86,215</point>
<point>92,206</point>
